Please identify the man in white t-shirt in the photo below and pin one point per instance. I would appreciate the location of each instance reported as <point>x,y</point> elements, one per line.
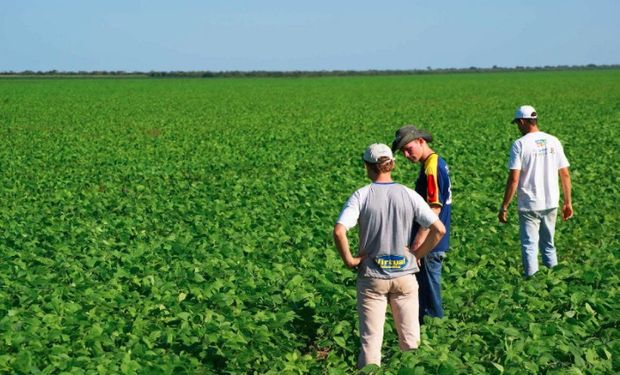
<point>386,213</point>
<point>535,161</point>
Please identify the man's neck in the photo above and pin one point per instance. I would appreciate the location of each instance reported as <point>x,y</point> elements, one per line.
<point>383,178</point>
<point>427,152</point>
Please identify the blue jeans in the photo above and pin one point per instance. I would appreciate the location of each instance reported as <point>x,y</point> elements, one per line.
<point>429,280</point>
<point>536,229</point>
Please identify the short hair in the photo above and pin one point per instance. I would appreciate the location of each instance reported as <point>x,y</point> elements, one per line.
<point>384,165</point>
<point>531,121</point>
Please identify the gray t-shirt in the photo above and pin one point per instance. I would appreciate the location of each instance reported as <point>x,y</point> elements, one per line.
<point>386,213</point>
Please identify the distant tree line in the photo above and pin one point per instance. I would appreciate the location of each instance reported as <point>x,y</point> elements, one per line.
<point>299,73</point>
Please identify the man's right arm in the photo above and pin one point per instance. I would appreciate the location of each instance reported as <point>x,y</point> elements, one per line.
<point>342,244</point>
<point>511,188</point>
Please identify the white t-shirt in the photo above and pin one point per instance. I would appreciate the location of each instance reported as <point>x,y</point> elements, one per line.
<point>386,213</point>
<point>538,156</point>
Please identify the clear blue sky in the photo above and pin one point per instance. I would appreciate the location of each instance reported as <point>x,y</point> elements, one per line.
<point>219,35</point>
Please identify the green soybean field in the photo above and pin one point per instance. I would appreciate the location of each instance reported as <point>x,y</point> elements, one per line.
<point>184,226</point>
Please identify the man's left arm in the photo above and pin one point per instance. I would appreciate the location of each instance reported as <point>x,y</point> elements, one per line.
<point>567,207</point>
<point>423,232</point>
<point>434,233</point>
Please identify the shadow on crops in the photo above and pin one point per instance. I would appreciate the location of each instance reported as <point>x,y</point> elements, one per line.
<point>304,324</point>
<point>209,357</point>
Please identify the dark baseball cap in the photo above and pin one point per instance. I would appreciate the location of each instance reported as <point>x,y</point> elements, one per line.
<point>407,134</point>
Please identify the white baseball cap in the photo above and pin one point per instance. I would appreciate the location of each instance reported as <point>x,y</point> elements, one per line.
<point>376,151</point>
<point>525,111</point>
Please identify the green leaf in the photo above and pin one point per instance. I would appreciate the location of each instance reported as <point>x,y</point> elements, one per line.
<point>370,369</point>
<point>499,367</point>
<point>340,341</point>
<point>446,368</point>
<point>23,361</point>
<point>589,309</point>
<point>591,356</point>
<point>511,331</point>
<point>406,371</point>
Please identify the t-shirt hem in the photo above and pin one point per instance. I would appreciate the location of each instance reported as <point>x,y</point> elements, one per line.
<point>384,276</point>
<point>525,209</point>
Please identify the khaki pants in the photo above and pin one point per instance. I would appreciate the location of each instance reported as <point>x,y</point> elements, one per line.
<point>373,296</point>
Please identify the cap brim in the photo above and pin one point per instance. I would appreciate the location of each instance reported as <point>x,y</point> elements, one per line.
<point>396,144</point>
<point>400,142</point>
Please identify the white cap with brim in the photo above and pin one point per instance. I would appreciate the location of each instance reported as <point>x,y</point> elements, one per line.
<point>526,112</point>
<point>376,151</point>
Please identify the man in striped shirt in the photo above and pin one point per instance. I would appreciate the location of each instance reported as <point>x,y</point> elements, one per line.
<point>433,183</point>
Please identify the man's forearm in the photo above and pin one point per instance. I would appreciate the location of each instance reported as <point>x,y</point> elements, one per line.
<point>567,208</point>
<point>509,193</point>
<point>342,243</point>
<point>423,232</point>
<point>435,233</point>
<point>566,185</point>
<point>512,183</point>
<point>420,237</point>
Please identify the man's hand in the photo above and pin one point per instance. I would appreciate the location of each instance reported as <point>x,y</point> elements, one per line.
<point>353,262</point>
<point>567,211</point>
<point>502,215</point>
<point>413,252</point>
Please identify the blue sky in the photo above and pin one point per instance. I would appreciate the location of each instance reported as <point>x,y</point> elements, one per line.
<point>218,35</point>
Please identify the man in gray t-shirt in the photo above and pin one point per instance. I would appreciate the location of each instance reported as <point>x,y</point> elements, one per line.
<point>386,213</point>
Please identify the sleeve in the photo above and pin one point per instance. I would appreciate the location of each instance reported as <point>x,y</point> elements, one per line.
<point>431,170</point>
<point>445,186</point>
<point>423,213</point>
<point>350,212</point>
<point>515,157</point>
<point>561,159</point>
